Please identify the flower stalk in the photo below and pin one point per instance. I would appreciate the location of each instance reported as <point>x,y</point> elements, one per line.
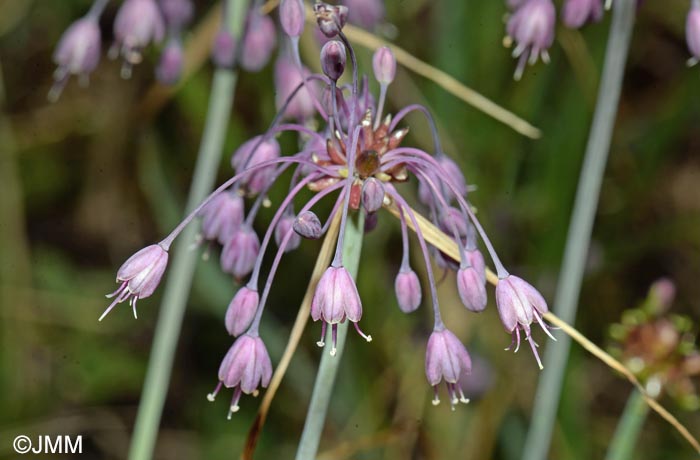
<point>182,270</point>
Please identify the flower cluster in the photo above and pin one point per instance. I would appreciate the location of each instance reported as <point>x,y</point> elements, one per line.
<point>356,159</point>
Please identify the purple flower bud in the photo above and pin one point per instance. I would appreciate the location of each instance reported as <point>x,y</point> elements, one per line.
<point>692,31</point>
<point>177,13</point>
<point>336,298</point>
<point>307,225</point>
<point>241,310</point>
<point>576,13</point>
<point>384,64</point>
<point>446,359</point>
<point>259,42</point>
<point>240,251</point>
<point>365,13</point>
<point>472,289</point>
<point>519,304</point>
<point>372,195</point>
<point>452,219</point>
<point>371,221</point>
<point>245,367</point>
<point>286,225</point>
<point>333,59</point>
<point>138,23</point>
<point>453,175</point>
<point>408,291</point>
<point>140,276</point>
<point>331,19</point>
<point>222,216</point>
<point>476,261</point>
<point>662,293</point>
<point>292,17</point>
<point>244,158</point>
<point>77,53</point>
<point>287,78</point>
<point>171,63</point>
<point>223,51</point>
<point>532,28</point>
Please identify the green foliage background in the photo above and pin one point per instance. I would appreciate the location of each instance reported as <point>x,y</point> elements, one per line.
<point>87,181</point>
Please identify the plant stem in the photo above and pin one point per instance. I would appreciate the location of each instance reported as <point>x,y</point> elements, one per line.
<point>179,280</point>
<point>328,369</point>
<point>580,227</point>
<point>628,428</point>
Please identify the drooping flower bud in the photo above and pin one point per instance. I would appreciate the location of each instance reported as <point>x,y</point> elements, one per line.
<point>222,216</point>
<point>692,32</point>
<point>287,78</point>
<point>367,14</point>
<point>408,291</point>
<point>372,195</point>
<point>284,226</point>
<point>223,51</point>
<point>472,289</point>
<point>576,13</point>
<point>244,158</point>
<point>308,225</point>
<point>371,221</point>
<point>259,41</point>
<point>384,64</point>
<point>138,23</point>
<point>333,59</point>
<point>335,300</point>
<point>241,310</point>
<point>476,261</point>
<point>171,63</point>
<point>292,17</point>
<point>77,53</point>
<point>452,220</point>
<point>532,29</point>
<point>446,359</point>
<point>140,276</point>
<point>519,305</point>
<point>177,13</point>
<point>331,19</point>
<point>240,251</point>
<point>453,175</point>
<point>245,367</point>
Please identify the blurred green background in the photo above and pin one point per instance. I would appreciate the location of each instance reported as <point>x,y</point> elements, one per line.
<point>87,181</point>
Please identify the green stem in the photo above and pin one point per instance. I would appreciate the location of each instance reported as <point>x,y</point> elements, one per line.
<point>628,428</point>
<point>580,227</point>
<point>181,271</point>
<point>328,369</point>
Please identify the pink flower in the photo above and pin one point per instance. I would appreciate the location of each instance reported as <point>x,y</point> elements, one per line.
<point>532,28</point>
<point>259,42</point>
<point>138,23</point>
<point>222,216</point>
<point>408,291</point>
<point>241,310</point>
<point>577,12</point>
<point>140,276</point>
<point>446,359</point>
<point>245,368</point>
<point>692,31</point>
<point>240,251</point>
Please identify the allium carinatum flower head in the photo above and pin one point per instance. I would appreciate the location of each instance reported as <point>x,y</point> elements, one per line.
<point>245,368</point>
<point>447,359</point>
<point>532,29</point>
<point>139,276</point>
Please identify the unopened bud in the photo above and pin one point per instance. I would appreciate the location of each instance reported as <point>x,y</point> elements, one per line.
<point>223,51</point>
<point>171,62</point>
<point>372,195</point>
<point>292,17</point>
<point>333,59</point>
<point>331,19</point>
<point>307,225</point>
<point>384,64</point>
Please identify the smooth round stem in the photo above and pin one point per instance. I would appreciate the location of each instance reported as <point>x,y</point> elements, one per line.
<point>179,279</point>
<point>628,428</point>
<point>338,258</point>
<point>580,227</point>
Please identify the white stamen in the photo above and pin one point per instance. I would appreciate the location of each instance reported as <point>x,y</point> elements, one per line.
<point>211,397</point>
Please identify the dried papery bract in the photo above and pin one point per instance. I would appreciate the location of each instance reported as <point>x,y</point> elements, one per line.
<point>692,32</point>
<point>138,24</point>
<point>576,13</point>
<point>331,19</point>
